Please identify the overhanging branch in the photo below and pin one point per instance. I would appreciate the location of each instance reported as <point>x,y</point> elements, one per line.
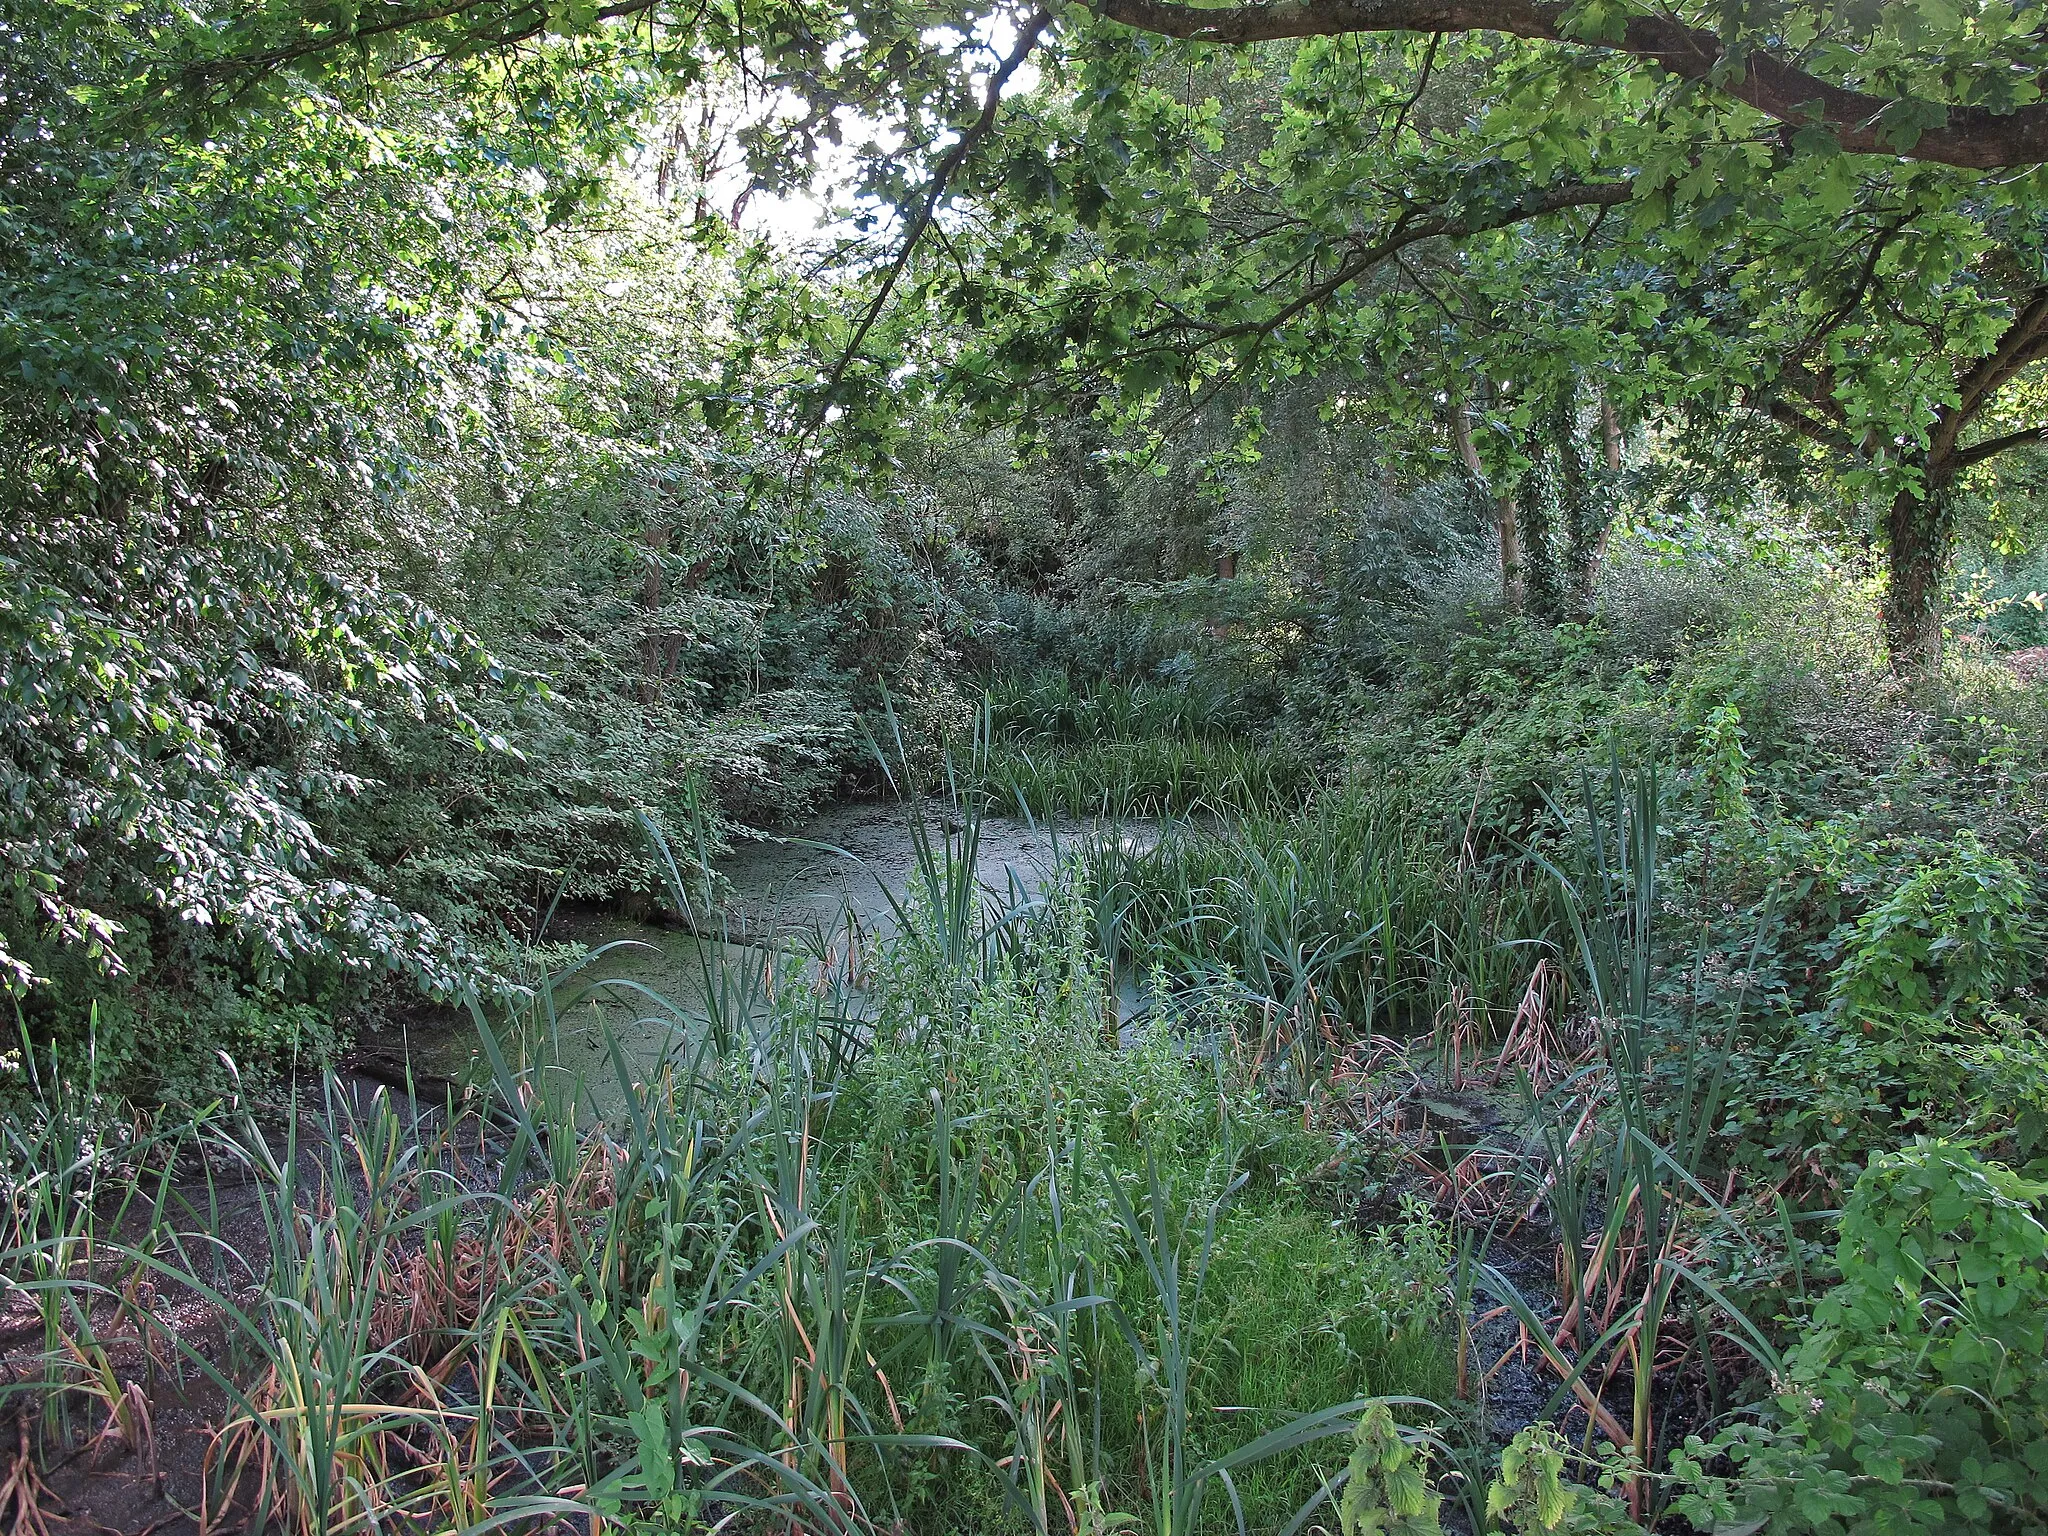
<point>1977,453</point>
<point>1974,138</point>
<point>1408,231</point>
<point>974,133</point>
<point>1599,194</point>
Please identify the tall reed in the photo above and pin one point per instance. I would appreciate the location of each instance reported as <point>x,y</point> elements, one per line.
<point>1351,919</point>
<point>1119,747</point>
<point>1621,1164</point>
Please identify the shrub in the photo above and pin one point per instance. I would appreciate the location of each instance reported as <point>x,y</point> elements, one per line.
<point>1915,1401</point>
<point>1955,936</point>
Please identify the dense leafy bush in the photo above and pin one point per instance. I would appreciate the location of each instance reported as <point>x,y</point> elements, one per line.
<point>357,604</point>
<point>1914,1400</point>
<point>1953,939</point>
<point>214,399</point>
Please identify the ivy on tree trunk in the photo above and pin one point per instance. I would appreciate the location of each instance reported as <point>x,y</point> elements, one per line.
<point>1919,527</point>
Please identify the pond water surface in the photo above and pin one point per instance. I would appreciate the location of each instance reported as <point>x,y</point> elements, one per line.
<point>828,887</point>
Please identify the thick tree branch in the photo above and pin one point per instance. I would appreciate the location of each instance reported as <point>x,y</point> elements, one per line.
<point>1977,453</point>
<point>2016,348</point>
<point>1972,137</point>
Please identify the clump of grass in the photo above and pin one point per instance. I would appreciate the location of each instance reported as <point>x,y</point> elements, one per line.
<point>1049,706</point>
<point>1149,776</point>
<point>1118,747</point>
<point>1350,920</point>
<point>79,1171</point>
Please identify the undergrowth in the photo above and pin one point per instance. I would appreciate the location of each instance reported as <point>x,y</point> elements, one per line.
<point>958,1263</point>
<point>1614,1103</point>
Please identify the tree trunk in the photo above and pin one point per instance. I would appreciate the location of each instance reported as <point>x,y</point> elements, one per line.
<point>1503,509</point>
<point>1918,529</point>
<point>1510,552</point>
<point>1538,535</point>
<point>654,542</point>
<point>1610,440</point>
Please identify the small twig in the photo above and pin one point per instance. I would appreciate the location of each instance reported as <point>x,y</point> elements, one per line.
<point>972,135</point>
<point>1421,85</point>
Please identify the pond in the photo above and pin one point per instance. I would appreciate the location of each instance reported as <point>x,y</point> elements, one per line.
<point>828,890</point>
